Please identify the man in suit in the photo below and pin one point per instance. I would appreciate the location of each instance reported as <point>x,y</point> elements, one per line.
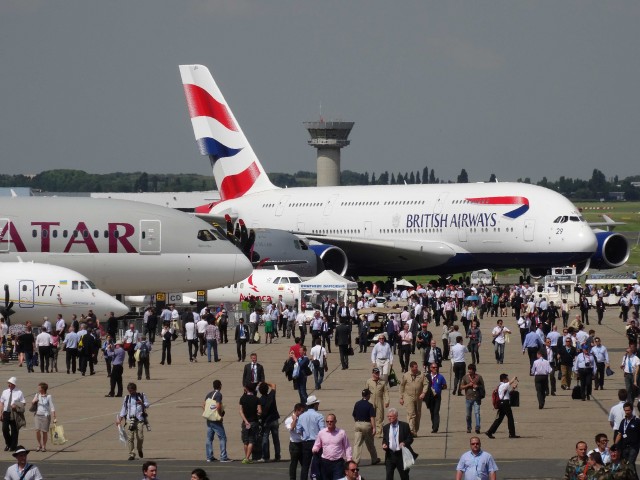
<point>395,435</point>
<point>432,354</point>
<point>343,341</point>
<point>253,372</point>
<point>242,336</point>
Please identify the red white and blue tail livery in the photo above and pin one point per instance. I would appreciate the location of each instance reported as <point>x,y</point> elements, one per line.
<point>393,229</point>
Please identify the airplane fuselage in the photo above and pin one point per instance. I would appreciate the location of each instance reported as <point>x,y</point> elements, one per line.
<point>266,285</point>
<point>441,228</point>
<point>39,290</point>
<point>124,247</point>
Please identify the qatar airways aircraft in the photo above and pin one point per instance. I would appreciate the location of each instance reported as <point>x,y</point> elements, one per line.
<point>395,229</point>
<point>33,291</point>
<point>125,247</point>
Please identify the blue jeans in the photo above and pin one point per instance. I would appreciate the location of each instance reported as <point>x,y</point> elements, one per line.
<point>302,388</point>
<point>318,376</point>
<point>213,429</point>
<point>476,410</point>
<point>212,344</point>
<point>499,350</point>
<point>271,428</point>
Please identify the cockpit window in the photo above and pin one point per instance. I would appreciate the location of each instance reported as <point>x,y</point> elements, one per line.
<point>295,280</point>
<point>573,218</point>
<point>276,280</point>
<point>85,286</point>
<point>582,218</point>
<point>206,236</point>
<point>74,285</point>
<point>92,285</point>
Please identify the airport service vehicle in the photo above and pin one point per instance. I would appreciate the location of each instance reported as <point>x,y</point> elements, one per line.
<point>481,277</point>
<point>395,229</point>
<point>267,285</point>
<point>35,290</point>
<point>125,247</point>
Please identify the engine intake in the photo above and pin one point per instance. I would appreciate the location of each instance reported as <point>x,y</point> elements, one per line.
<point>613,251</point>
<point>333,258</point>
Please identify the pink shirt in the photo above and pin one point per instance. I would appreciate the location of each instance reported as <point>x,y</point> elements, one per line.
<point>335,445</point>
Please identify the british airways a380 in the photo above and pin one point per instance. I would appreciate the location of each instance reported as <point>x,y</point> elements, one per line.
<point>395,229</point>
<point>125,247</point>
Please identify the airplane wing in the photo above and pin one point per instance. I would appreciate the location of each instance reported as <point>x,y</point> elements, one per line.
<point>393,253</point>
<point>609,223</point>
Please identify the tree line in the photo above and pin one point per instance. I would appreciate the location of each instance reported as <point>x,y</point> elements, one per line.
<point>67,180</point>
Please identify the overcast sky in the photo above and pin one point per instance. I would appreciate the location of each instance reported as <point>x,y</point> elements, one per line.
<point>515,88</point>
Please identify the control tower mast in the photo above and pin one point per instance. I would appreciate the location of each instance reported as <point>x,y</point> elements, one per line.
<point>328,138</point>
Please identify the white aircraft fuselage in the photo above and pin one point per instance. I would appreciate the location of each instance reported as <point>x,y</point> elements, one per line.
<point>39,290</point>
<point>442,228</point>
<point>267,285</point>
<point>124,247</point>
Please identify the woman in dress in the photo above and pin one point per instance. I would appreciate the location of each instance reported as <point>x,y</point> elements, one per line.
<point>43,415</point>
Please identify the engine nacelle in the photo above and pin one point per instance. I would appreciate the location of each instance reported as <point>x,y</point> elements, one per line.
<point>613,251</point>
<point>333,258</point>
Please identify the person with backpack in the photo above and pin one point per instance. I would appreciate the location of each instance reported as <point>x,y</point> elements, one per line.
<point>501,398</point>
<point>144,349</point>
<point>134,413</point>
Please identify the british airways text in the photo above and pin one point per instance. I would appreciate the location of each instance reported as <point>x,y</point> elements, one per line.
<point>444,220</point>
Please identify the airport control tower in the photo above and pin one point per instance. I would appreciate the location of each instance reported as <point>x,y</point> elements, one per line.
<point>328,138</point>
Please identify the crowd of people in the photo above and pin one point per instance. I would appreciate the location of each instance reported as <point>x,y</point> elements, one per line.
<point>557,352</point>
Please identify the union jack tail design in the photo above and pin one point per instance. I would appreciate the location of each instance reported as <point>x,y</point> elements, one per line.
<point>236,167</point>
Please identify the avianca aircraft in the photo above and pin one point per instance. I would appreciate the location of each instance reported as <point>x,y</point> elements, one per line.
<point>394,229</point>
<point>125,247</point>
<point>33,291</point>
<point>267,285</point>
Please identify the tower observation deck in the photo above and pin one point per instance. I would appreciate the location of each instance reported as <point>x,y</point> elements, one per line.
<point>328,138</point>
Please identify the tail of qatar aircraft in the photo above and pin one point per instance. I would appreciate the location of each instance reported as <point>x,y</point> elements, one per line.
<point>236,168</point>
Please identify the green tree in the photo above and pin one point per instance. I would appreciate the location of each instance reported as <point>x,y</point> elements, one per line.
<point>463,177</point>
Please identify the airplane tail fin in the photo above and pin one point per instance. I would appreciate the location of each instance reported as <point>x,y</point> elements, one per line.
<point>236,167</point>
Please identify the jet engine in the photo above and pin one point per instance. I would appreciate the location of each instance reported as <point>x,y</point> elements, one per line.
<point>332,257</point>
<point>613,250</point>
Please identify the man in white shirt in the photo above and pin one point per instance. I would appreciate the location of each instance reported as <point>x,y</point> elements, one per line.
<point>43,344</point>
<point>616,414</point>
<point>253,325</point>
<point>201,327</point>
<point>459,365</point>
<point>318,356</point>
<point>11,400</point>
<point>382,357</point>
<point>301,322</point>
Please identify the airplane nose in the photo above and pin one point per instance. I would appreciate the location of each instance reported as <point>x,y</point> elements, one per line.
<point>244,268</point>
<point>118,308</point>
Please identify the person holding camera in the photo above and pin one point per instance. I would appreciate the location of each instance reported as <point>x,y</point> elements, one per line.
<point>134,413</point>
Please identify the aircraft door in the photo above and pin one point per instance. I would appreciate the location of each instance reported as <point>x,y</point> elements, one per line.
<point>437,208</point>
<point>26,298</point>
<point>281,204</point>
<point>529,226</point>
<point>330,204</point>
<point>150,236</point>
<point>5,235</point>
<point>368,229</point>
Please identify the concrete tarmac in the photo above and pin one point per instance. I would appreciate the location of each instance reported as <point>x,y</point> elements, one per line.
<point>177,438</point>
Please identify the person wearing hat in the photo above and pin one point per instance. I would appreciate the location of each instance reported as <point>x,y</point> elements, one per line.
<point>382,356</point>
<point>308,425</point>
<point>620,468</point>
<point>22,470</point>
<point>586,368</point>
<point>11,403</point>
<point>379,397</point>
<point>365,417</point>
